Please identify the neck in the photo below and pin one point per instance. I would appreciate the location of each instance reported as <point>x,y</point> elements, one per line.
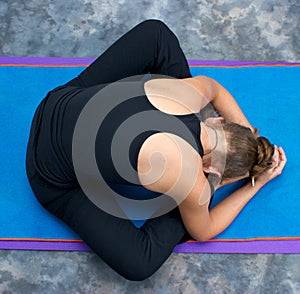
<point>208,137</point>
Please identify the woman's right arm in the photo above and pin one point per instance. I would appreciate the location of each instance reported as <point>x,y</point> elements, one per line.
<point>168,164</point>
<point>203,224</point>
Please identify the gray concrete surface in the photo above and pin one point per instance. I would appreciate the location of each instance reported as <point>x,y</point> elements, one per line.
<point>262,30</point>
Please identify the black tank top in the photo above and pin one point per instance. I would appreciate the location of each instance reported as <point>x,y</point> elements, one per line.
<point>185,126</point>
<point>50,142</point>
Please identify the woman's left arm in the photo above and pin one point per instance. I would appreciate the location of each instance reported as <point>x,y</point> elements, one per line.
<point>221,99</point>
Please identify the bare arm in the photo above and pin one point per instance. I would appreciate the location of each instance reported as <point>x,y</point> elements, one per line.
<point>221,99</point>
<point>203,224</point>
<point>168,164</point>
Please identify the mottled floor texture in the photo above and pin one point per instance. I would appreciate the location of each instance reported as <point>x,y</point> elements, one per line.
<point>262,30</point>
<point>70,272</point>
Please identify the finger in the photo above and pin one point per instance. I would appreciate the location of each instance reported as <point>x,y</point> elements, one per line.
<point>282,154</point>
<point>280,166</point>
<point>275,157</point>
<point>275,163</point>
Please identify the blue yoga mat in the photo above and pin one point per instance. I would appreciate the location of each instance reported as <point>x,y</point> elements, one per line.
<point>268,94</point>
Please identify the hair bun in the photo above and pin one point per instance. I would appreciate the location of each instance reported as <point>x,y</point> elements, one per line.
<point>265,151</point>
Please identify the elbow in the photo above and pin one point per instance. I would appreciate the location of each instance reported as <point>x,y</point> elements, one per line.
<point>202,238</point>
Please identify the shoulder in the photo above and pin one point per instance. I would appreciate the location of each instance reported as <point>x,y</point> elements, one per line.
<point>174,96</point>
<point>170,165</point>
<point>204,85</point>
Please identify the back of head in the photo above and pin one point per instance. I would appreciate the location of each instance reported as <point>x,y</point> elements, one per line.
<point>245,152</point>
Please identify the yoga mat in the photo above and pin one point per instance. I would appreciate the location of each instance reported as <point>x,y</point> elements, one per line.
<point>267,92</point>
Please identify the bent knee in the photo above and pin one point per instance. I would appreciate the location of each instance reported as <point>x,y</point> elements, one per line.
<point>138,275</point>
<point>139,271</point>
<point>154,24</point>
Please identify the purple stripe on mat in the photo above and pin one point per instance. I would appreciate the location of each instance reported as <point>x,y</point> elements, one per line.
<point>44,60</point>
<point>280,247</point>
<point>85,60</point>
<point>238,63</point>
<point>44,245</point>
<point>261,247</point>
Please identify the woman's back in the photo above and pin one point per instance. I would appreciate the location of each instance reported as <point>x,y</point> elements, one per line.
<point>115,142</point>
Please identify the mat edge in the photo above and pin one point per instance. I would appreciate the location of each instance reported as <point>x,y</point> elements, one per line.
<point>84,61</point>
<point>238,247</point>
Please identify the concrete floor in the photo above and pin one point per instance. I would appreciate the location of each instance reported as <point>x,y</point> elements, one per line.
<point>264,30</point>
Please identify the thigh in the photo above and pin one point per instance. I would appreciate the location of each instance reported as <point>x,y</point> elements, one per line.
<point>135,253</point>
<point>149,47</point>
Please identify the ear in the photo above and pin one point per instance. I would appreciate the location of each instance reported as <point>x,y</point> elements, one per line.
<point>214,120</point>
<point>212,170</point>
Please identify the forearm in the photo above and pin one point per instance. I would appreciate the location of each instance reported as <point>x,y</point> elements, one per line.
<point>204,224</point>
<point>222,215</point>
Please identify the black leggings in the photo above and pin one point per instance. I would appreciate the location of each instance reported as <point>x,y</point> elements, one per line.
<point>135,253</point>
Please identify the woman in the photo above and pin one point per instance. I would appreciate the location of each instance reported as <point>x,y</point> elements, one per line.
<point>136,253</point>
